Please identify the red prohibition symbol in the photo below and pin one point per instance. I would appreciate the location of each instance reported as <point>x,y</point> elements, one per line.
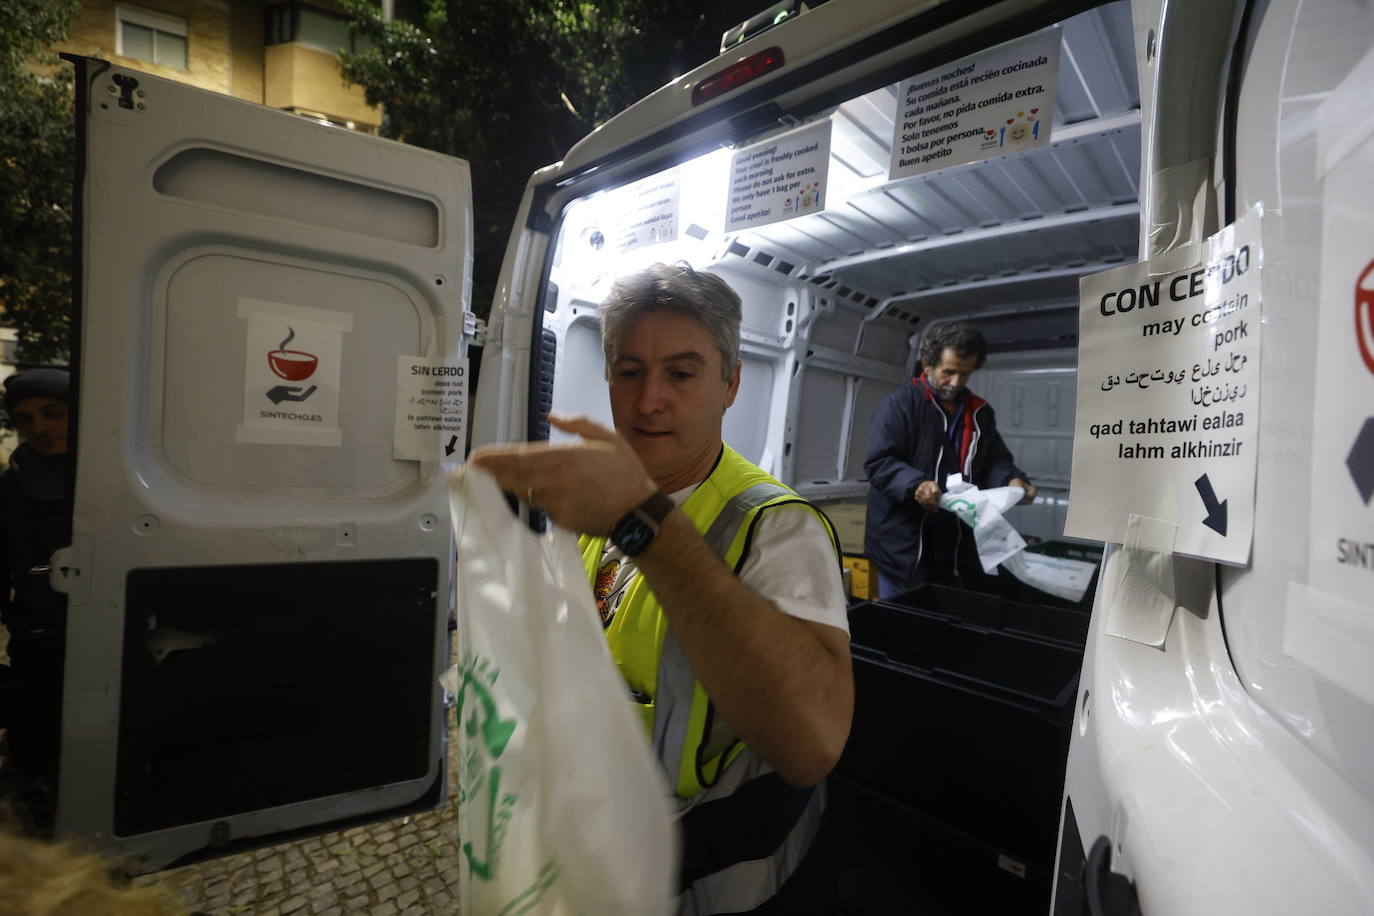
<point>1364,315</point>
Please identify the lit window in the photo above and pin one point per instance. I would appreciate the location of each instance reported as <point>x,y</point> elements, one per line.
<point>150,36</point>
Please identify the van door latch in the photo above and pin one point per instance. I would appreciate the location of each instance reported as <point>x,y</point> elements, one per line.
<point>69,570</point>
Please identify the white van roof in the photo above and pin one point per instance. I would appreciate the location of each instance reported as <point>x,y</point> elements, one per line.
<point>1007,232</point>
<point>803,39</point>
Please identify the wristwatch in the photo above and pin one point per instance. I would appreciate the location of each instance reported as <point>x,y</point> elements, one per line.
<point>634,532</point>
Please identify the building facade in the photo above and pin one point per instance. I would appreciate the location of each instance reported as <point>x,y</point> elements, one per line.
<point>280,54</point>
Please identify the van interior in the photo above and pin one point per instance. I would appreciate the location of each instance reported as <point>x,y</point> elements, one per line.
<point>964,695</point>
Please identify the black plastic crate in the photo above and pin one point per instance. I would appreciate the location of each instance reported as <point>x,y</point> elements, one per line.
<point>965,723</point>
<point>891,858</point>
<point>1068,550</point>
<point>1066,625</point>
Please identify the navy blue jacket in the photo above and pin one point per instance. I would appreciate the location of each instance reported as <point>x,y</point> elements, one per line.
<point>906,443</point>
<point>35,520</point>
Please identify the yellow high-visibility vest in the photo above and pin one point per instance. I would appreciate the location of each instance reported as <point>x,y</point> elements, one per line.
<point>693,743</point>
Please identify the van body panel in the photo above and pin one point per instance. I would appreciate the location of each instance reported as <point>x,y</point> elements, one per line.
<point>500,410</point>
<point>662,130</point>
<point>1222,774</point>
<point>1279,123</point>
<point>804,40</point>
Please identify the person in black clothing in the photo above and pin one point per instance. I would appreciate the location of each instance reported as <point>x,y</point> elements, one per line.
<point>922,433</point>
<point>35,520</point>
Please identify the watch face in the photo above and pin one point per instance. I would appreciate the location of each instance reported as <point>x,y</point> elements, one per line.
<point>632,535</point>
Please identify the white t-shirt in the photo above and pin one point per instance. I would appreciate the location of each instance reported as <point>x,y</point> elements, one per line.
<point>791,562</point>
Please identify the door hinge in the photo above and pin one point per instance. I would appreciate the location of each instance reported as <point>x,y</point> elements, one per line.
<point>474,329</point>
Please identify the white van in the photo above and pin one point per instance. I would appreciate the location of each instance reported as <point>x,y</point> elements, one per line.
<point>259,576</point>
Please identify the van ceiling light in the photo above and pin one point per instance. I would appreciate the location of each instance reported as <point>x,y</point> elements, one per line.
<point>737,75</point>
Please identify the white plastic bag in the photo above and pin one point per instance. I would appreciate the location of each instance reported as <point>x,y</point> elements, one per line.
<point>561,806</point>
<point>997,540</point>
<point>1059,576</point>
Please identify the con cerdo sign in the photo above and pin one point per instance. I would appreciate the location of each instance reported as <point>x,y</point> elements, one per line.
<point>1168,398</point>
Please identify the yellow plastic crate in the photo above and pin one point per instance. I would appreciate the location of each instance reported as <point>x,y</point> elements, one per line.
<point>863,580</point>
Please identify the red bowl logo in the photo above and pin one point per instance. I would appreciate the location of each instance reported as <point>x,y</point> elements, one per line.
<point>292,365</point>
<point>1364,315</point>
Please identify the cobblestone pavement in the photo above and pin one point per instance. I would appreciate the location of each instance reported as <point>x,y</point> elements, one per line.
<point>407,866</point>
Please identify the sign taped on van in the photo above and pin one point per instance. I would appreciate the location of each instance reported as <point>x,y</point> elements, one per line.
<point>431,409</point>
<point>779,179</point>
<point>646,212</point>
<point>1341,544</point>
<point>988,104</point>
<point>1167,418</point>
<point>291,373</point>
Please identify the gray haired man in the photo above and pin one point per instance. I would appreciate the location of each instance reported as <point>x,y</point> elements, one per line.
<point>696,554</point>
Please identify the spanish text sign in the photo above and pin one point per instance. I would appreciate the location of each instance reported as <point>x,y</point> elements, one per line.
<point>431,409</point>
<point>995,102</point>
<point>647,212</point>
<point>1168,398</point>
<point>779,179</point>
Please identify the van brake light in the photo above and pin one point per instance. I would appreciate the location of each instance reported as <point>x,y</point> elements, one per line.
<point>737,75</point>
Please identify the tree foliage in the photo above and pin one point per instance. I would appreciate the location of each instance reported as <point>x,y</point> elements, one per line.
<point>37,157</point>
<point>510,85</point>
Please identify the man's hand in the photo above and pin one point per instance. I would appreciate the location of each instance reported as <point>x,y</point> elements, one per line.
<point>584,486</point>
<point>927,495</point>
<point>1025,485</point>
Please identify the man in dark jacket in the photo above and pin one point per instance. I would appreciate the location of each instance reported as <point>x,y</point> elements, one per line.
<point>35,520</point>
<point>922,433</point>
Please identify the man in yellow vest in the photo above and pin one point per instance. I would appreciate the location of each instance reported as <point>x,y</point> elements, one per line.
<point>719,589</point>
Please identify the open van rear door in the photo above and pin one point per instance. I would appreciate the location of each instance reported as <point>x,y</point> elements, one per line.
<point>259,576</point>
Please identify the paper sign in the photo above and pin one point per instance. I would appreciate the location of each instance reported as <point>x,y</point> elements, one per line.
<point>1341,558</point>
<point>1168,398</point>
<point>647,212</point>
<point>291,373</point>
<point>995,102</point>
<point>431,409</point>
<point>780,179</point>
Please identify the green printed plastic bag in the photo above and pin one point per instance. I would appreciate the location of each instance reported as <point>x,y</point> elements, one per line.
<point>561,807</point>
<point>997,541</point>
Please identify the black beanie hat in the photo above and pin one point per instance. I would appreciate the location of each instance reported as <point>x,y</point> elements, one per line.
<point>37,383</point>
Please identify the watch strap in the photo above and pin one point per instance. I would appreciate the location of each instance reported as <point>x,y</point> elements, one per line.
<point>654,509</point>
<point>639,527</point>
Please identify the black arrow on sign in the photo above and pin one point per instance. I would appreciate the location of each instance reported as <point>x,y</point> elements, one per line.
<point>452,444</point>
<point>1216,511</point>
<point>287,393</point>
